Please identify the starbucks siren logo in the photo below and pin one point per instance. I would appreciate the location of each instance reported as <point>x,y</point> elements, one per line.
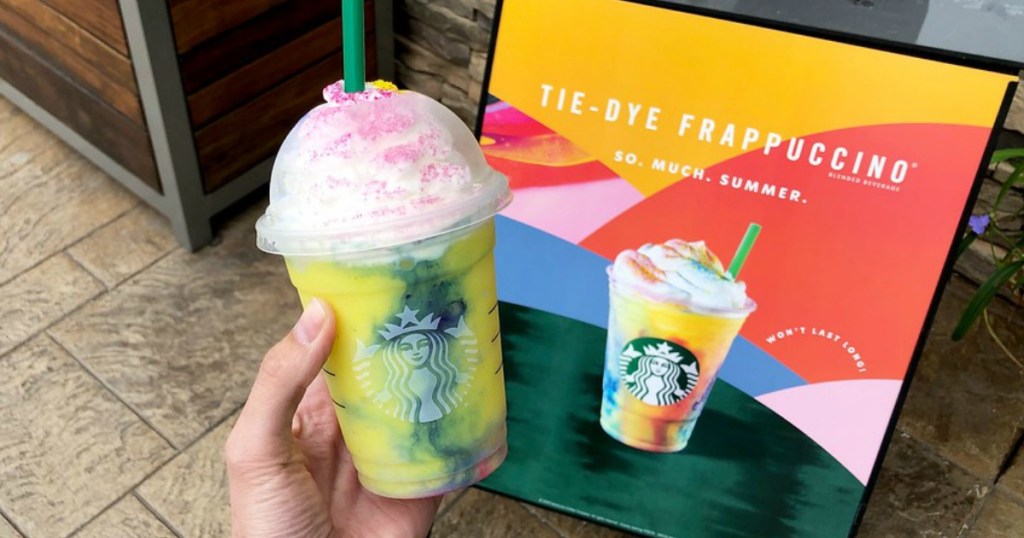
<point>415,379</point>
<point>658,372</point>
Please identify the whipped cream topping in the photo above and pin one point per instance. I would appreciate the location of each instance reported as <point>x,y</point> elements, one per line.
<point>376,168</point>
<point>681,271</point>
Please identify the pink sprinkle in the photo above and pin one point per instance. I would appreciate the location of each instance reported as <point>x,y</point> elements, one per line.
<point>335,94</point>
<point>341,147</point>
<point>427,201</point>
<point>339,118</point>
<point>388,211</point>
<point>442,173</point>
<point>329,119</point>
<point>378,190</point>
<point>429,173</point>
<point>434,143</point>
<point>339,183</point>
<point>385,123</point>
<point>403,153</point>
<point>374,186</point>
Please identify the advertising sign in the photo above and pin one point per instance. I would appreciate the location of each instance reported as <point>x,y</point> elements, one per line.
<point>621,124</point>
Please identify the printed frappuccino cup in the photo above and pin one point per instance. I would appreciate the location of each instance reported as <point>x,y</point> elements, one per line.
<point>382,205</point>
<point>674,313</point>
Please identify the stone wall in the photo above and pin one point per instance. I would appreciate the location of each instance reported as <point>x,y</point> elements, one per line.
<point>441,50</point>
<point>1015,120</point>
<point>977,262</point>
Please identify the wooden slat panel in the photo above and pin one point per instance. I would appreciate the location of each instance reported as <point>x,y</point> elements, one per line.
<point>246,136</point>
<point>102,18</point>
<point>229,51</point>
<point>98,54</point>
<point>95,120</point>
<point>60,49</point>
<point>251,80</point>
<point>198,20</point>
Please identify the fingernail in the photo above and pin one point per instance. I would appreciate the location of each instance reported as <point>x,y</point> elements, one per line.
<point>310,322</point>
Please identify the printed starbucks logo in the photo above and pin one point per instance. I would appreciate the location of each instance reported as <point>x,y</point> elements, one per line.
<point>658,372</point>
<point>412,375</point>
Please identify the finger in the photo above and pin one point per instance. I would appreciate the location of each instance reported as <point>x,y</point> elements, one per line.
<point>317,406</point>
<point>316,423</point>
<point>287,370</point>
<point>318,435</point>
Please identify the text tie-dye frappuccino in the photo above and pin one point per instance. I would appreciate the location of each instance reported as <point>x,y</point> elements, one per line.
<point>674,314</point>
<point>382,204</point>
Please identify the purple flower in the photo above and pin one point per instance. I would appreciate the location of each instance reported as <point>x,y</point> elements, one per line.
<point>978,223</point>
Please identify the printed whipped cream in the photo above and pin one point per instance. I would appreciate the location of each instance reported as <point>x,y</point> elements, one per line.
<point>373,169</point>
<point>681,271</point>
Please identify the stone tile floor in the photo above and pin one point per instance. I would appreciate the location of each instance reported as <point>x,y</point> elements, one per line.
<point>124,361</point>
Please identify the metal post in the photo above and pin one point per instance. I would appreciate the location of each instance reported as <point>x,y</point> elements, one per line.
<point>147,25</point>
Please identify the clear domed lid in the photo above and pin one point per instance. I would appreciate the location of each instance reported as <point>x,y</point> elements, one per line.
<point>374,170</point>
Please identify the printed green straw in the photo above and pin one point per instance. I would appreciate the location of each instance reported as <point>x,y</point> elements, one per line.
<point>744,249</point>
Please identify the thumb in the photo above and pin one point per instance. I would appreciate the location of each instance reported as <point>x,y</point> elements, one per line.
<point>288,368</point>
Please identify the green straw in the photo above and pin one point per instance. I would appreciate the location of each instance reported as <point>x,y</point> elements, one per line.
<point>354,49</point>
<point>744,249</point>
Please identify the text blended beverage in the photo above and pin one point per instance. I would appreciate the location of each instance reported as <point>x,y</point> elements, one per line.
<point>674,313</point>
<point>382,205</point>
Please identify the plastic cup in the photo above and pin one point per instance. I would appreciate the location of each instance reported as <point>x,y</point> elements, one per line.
<point>415,371</point>
<point>661,362</point>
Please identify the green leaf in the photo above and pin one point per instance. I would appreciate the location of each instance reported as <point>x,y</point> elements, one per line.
<point>984,296</point>
<point>1016,176</point>
<point>1001,155</point>
<point>965,243</point>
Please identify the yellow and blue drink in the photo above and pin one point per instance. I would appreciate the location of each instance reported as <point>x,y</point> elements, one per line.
<point>415,373</point>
